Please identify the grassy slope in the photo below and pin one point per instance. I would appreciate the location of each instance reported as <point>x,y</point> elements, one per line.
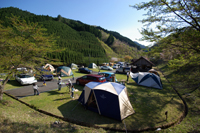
<point>192,97</point>
<point>149,104</point>
<point>109,52</point>
<point>16,117</point>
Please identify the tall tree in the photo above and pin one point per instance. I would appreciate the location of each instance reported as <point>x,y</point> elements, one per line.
<point>22,44</point>
<point>169,17</point>
<point>177,25</point>
<point>176,28</point>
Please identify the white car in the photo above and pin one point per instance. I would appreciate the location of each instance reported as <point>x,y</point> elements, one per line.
<point>106,68</point>
<point>25,79</point>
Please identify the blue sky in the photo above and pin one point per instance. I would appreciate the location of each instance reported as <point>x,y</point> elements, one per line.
<point>114,15</point>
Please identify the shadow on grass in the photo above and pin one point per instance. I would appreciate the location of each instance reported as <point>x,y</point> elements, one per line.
<point>14,83</point>
<point>56,92</point>
<point>74,110</point>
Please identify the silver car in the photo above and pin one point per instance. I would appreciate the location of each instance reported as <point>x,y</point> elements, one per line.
<point>106,68</point>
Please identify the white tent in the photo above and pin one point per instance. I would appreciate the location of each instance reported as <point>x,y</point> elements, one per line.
<point>147,79</point>
<point>92,65</point>
<point>73,66</point>
<point>49,67</point>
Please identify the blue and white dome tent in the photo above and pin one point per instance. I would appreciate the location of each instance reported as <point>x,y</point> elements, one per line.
<point>147,79</point>
<point>108,99</point>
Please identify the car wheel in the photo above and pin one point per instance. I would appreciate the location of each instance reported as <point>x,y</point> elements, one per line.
<point>77,82</point>
<point>117,72</point>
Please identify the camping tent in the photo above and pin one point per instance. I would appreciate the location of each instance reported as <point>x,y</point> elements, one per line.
<point>153,71</point>
<point>49,67</point>
<point>147,79</point>
<point>92,65</point>
<point>64,71</point>
<point>109,99</point>
<point>73,66</point>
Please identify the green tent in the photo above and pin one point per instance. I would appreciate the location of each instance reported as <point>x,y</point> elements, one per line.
<point>64,71</point>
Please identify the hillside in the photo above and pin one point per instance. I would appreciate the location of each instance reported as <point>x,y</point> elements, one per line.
<point>76,41</point>
<point>123,39</point>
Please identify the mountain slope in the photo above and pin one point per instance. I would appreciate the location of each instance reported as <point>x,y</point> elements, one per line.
<point>122,38</point>
<point>72,45</point>
<point>77,41</point>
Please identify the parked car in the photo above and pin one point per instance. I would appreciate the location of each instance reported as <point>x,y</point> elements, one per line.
<point>47,77</point>
<point>123,70</point>
<point>106,68</point>
<point>90,77</point>
<point>109,76</point>
<point>25,79</point>
<point>116,66</point>
<point>44,74</point>
<point>84,70</point>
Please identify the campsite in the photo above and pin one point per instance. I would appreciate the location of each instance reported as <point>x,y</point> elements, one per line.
<point>149,104</point>
<point>157,66</point>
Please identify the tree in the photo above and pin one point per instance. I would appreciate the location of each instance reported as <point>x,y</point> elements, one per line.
<point>22,44</point>
<point>127,58</point>
<point>110,40</point>
<point>169,17</point>
<point>177,25</point>
<point>177,33</point>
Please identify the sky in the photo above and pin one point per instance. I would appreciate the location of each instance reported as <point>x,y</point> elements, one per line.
<point>112,15</point>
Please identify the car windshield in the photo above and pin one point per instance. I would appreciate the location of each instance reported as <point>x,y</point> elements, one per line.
<point>24,76</point>
<point>102,78</point>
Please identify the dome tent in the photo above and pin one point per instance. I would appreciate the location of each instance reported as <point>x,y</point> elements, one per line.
<point>73,66</point>
<point>92,65</point>
<point>49,67</point>
<point>109,99</point>
<point>147,79</point>
<point>64,71</point>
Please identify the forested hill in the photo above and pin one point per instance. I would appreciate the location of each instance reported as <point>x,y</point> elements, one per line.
<point>123,39</point>
<point>77,42</point>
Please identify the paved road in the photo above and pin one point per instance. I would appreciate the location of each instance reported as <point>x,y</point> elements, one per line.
<point>28,89</point>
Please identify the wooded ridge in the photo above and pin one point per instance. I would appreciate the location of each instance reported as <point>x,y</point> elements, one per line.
<point>76,42</point>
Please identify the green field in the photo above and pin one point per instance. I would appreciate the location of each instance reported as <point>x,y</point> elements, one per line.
<point>149,104</point>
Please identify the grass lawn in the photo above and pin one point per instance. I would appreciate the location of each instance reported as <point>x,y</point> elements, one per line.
<point>190,93</point>
<point>149,104</point>
<point>18,118</point>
